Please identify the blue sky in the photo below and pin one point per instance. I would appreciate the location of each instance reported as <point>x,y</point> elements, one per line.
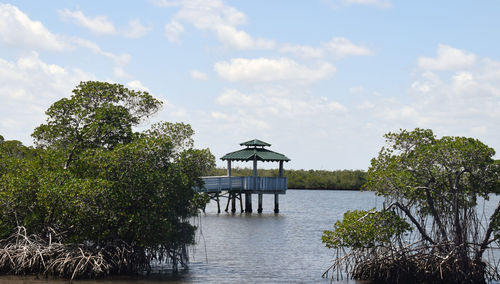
<point>320,80</point>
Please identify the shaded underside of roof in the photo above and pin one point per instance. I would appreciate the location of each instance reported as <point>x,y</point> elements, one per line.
<point>261,154</point>
<point>255,142</point>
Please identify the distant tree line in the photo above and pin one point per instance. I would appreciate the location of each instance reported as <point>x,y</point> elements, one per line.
<point>308,179</point>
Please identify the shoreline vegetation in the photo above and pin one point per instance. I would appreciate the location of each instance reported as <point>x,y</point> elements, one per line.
<point>430,228</point>
<point>307,179</point>
<point>93,198</point>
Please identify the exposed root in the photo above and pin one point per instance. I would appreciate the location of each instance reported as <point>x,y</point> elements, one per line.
<point>415,263</point>
<point>21,254</point>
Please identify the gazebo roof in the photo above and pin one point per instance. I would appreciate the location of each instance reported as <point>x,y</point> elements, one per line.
<point>255,142</point>
<point>251,152</point>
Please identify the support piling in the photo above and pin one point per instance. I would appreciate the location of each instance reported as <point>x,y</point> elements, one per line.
<point>259,209</point>
<point>276,203</point>
<point>233,203</point>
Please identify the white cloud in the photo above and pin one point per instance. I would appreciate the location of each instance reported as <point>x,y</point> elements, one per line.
<point>490,69</point>
<point>137,85</point>
<point>18,30</point>
<point>28,87</point>
<point>173,31</point>
<point>100,25</point>
<point>219,115</point>
<point>120,72</point>
<point>278,106</point>
<point>214,16</point>
<point>460,102</point>
<point>120,60</point>
<point>240,39</point>
<point>337,47</point>
<point>277,115</point>
<point>197,74</point>
<point>365,105</point>
<point>448,58</point>
<point>340,47</point>
<point>304,51</point>
<point>404,113</point>
<point>268,70</point>
<point>235,97</point>
<point>136,29</point>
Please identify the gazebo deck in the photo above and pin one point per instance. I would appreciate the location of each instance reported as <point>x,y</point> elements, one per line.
<point>234,187</point>
<point>245,184</point>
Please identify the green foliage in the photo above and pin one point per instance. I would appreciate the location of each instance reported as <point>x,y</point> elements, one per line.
<point>440,175</point>
<point>97,115</point>
<point>97,182</point>
<point>434,184</point>
<point>321,179</point>
<point>308,179</point>
<point>365,229</point>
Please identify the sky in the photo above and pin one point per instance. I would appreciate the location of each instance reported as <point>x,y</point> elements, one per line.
<point>320,80</point>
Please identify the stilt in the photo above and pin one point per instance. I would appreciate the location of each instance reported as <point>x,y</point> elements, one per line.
<point>248,202</point>
<point>228,200</point>
<point>241,203</point>
<point>259,210</point>
<point>255,152</point>
<point>233,203</point>
<point>218,204</point>
<point>276,203</point>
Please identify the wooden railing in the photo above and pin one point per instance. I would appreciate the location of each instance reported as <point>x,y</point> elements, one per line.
<point>245,184</point>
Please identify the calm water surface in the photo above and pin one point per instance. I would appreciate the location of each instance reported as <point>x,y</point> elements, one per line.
<point>260,248</point>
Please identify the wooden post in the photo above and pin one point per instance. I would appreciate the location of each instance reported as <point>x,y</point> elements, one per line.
<point>277,196</point>
<point>228,200</point>
<point>231,196</point>
<point>248,202</point>
<point>276,203</point>
<point>233,203</point>
<point>248,195</point>
<point>241,203</point>
<point>259,210</point>
<point>218,204</point>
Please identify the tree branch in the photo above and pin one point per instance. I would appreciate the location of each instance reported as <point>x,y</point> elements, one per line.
<point>435,215</point>
<point>486,240</point>
<point>415,222</point>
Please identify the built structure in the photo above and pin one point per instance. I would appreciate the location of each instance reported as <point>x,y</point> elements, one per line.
<point>233,187</point>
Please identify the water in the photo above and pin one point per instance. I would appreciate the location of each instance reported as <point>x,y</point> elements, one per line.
<point>261,248</point>
<point>272,248</point>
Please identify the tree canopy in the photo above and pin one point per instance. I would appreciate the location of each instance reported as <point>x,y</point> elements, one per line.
<point>97,115</point>
<point>94,182</point>
<point>434,184</point>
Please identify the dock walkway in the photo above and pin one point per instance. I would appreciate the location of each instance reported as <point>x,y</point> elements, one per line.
<point>245,184</point>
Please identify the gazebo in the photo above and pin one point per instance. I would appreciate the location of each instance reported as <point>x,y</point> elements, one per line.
<point>254,151</point>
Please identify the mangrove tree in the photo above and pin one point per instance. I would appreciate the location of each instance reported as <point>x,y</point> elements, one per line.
<point>436,232</point>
